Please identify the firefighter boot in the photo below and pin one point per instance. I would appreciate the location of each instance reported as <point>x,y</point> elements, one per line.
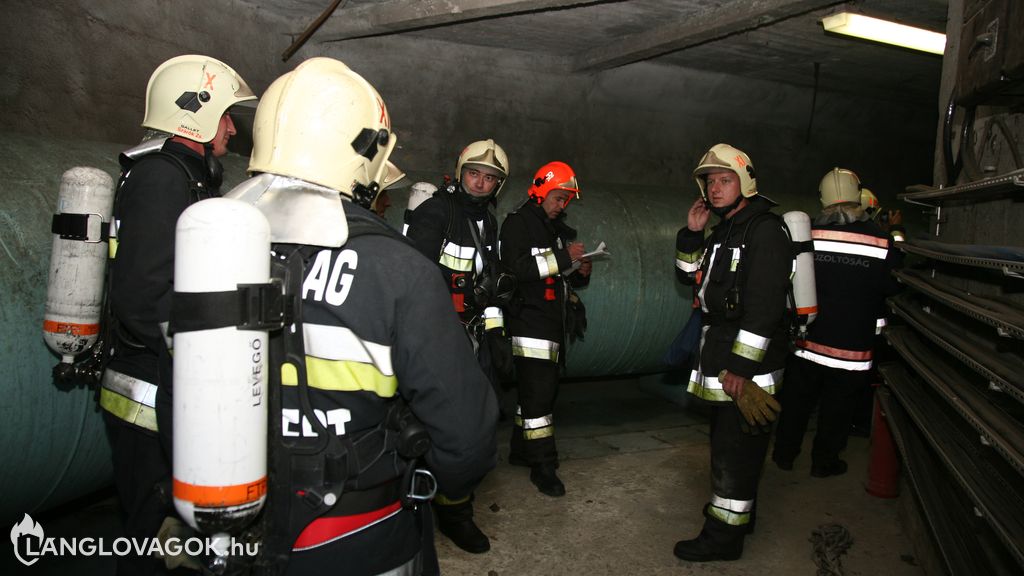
<point>544,478</point>
<point>456,522</point>
<point>716,541</point>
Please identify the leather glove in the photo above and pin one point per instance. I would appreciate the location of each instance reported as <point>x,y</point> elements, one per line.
<point>758,407</point>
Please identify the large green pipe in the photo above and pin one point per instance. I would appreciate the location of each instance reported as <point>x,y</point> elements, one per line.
<point>53,445</point>
<point>54,448</point>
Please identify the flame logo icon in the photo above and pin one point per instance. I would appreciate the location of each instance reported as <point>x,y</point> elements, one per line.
<point>27,527</point>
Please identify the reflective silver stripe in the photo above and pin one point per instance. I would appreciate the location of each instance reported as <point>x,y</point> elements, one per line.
<point>730,504</point>
<point>405,229</point>
<point>848,248</point>
<point>138,390</point>
<point>534,348</point>
<point>750,345</point>
<point>457,257</point>
<point>735,259</point>
<point>897,236</point>
<point>547,264</point>
<point>534,423</point>
<point>879,324</point>
<point>338,343</point>
<point>710,387</point>
<point>707,277</point>
<point>853,365</point>
<point>493,318</point>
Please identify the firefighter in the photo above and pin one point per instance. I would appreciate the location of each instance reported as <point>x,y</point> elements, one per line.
<point>379,332</point>
<point>456,229</point>
<point>740,274</point>
<point>187,103</point>
<point>891,221</point>
<point>853,261</point>
<point>540,249</point>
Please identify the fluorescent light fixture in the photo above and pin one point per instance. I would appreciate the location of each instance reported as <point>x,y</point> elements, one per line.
<point>886,32</point>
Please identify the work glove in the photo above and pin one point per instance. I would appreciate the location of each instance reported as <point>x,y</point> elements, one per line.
<point>758,408</point>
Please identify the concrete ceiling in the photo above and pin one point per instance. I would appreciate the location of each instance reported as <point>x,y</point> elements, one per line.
<point>775,40</point>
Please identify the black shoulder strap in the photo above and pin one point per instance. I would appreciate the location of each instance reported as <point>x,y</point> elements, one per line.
<point>361,224</point>
<point>197,188</point>
<point>449,228</point>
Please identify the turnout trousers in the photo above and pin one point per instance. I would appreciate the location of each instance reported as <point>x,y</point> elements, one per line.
<point>533,430</point>
<point>808,382</point>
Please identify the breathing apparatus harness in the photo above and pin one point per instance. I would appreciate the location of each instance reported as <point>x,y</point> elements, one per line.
<point>308,481</point>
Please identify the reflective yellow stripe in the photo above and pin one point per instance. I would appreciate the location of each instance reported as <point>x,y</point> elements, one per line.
<point>710,388</point>
<point>453,263</point>
<point>445,501</point>
<point>750,345</point>
<point>128,410</point>
<point>747,351</point>
<point>112,248</point>
<point>457,257</point>
<point>735,259</point>
<point>728,516</point>
<point>539,433</point>
<point>688,257</point>
<point>342,376</point>
<point>493,318</point>
<point>534,348</point>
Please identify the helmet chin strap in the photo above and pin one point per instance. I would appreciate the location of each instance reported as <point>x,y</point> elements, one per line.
<point>721,212</point>
<point>214,169</point>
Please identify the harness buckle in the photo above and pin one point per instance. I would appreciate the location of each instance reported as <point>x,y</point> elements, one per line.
<point>422,487</point>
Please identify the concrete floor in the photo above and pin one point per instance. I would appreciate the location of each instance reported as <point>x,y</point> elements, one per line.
<point>635,465</point>
<point>636,469</point>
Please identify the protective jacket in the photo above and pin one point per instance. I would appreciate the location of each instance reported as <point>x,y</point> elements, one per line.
<point>378,330</point>
<point>741,287</point>
<point>852,267</point>
<point>155,189</point>
<point>534,247</point>
<point>447,229</point>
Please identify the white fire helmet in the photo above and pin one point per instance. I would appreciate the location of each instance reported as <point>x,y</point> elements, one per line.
<point>421,192</point>
<point>486,154</point>
<point>325,124</point>
<point>726,157</point>
<point>188,95</point>
<point>839,186</point>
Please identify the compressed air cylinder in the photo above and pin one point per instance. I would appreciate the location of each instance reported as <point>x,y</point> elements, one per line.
<point>74,293</point>
<point>804,291</point>
<point>220,375</point>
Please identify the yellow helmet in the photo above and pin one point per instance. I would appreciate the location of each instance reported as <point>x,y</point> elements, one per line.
<point>187,95</point>
<point>726,157</point>
<point>325,124</point>
<point>488,154</point>
<point>839,185</point>
<point>869,202</point>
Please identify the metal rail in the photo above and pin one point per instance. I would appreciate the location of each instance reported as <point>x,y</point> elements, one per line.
<point>997,429</point>
<point>1004,370</point>
<point>1010,182</point>
<point>968,255</point>
<point>996,498</point>
<point>950,516</point>
<point>1008,319</point>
